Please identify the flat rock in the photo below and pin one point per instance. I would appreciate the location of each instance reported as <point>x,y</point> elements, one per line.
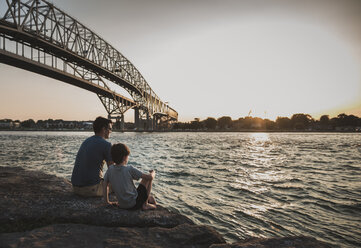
<point>78,235</point>
<point>285,242</point>
<point>31,199</point>
<point>40,210</point>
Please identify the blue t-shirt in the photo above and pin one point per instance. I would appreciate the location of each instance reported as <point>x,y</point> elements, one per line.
<point>89,161</point>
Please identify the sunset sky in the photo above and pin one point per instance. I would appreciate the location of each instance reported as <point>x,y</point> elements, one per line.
<point>212,58</point>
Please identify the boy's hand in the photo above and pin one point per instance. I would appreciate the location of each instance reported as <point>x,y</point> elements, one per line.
<point>107,202</point>
<point>114,204</point>
<point>152,173</point>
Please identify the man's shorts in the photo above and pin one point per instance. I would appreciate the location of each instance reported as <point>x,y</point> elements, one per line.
<point>141,198</point>
<point>89,191</point>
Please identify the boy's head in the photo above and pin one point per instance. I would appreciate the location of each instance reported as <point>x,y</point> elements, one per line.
<point>119,152</point>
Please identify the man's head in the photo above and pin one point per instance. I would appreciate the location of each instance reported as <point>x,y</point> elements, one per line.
<point>102,127</point>
<point>120,153</point>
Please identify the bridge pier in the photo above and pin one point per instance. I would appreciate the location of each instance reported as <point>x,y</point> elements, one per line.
<point>136,119</point>
<point>122,122</point>
<point>147,123</point>
<point>143,121</point>
<point>150,126</point>
<point>119,122</point>
<point>155,124</point>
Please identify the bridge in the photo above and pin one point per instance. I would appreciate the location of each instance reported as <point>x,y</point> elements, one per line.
<point>37,36</point>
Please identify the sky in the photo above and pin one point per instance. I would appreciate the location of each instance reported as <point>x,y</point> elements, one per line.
<point>212,58</point>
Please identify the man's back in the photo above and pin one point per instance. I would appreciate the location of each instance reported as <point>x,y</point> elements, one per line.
<point>89,161</point>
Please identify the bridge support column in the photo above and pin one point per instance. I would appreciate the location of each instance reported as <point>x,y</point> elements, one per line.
<point>149,123</point>
<point>143,124</point>
<point>119,122</point>
<point>152,121</point>
<point>122,123</point>
<point>155,126</point>
<point>136,119</point>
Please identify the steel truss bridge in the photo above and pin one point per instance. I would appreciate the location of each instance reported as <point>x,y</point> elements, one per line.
<point>37,36</point>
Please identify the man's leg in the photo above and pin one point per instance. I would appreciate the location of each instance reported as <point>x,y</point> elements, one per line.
<point>89,191</point>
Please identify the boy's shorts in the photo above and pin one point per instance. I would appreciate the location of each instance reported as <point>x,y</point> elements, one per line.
<point>141,198</point>
<point>89,191</point>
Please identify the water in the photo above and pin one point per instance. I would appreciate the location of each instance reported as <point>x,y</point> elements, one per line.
<point>243,184</point>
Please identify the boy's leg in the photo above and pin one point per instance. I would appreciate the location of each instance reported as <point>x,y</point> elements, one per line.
<point>148,185</point>
<point>151,199</point>
<point>145,182</point>
<point>150,202</point>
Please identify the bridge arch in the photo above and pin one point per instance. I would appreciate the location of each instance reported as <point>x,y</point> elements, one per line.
<point>37,36</point>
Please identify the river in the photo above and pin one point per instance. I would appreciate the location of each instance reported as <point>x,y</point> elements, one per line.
<point>243,184</point>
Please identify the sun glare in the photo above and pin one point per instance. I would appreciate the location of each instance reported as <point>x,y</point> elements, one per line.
<point>280,65</point>
<point>260,137</point>
<point>297,67</point>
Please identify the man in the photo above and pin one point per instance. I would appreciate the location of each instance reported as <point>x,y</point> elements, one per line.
<point>88,168</point>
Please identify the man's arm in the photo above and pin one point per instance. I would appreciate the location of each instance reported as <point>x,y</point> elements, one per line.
<point>108,157</point>
<point>110,163</point>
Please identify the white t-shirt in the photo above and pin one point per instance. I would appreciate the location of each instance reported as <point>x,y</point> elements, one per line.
<point>121,179</point>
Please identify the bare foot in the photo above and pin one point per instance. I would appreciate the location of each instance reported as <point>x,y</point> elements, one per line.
<point>151,199</point>
<point>149,206</point>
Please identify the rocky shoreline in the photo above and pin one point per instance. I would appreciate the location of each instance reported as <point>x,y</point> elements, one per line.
<point>40,210</point>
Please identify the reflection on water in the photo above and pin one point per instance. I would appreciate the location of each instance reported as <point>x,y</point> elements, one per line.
<point>244,184</point>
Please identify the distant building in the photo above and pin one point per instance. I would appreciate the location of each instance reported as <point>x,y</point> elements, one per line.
<point>16,124</point>
<point>87,125</point>
<point>346,128</point>
<point>6,124</point>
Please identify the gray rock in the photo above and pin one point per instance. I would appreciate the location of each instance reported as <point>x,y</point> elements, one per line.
<point>31,199</point>
<point>78,235</point>
<point>285,242</point>
<point>40,210</point>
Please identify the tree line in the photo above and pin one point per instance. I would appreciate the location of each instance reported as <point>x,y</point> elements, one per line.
<point>298,122</point>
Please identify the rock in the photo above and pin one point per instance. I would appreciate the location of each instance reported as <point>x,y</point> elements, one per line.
<point>31,199</point>
<point>78,235</point>
<point>285,242</point>
<point>40,210</point>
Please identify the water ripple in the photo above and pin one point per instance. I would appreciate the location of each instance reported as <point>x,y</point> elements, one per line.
<point>243,184</point>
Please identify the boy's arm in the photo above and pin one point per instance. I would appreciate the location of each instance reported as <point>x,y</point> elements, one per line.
<point>149,176</point>
<point>106,193</point>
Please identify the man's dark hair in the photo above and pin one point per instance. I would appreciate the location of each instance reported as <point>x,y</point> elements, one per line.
<point>99,123</point>
<point>119,152</point>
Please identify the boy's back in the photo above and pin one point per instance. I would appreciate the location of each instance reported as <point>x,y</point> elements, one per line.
<point>121,180</point>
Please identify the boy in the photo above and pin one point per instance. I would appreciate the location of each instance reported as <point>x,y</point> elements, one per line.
<point>121,176</point>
